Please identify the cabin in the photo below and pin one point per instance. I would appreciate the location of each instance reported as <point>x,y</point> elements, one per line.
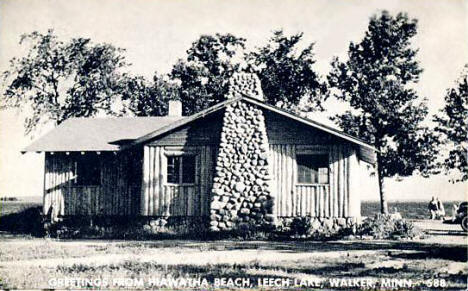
<point>239,161</point>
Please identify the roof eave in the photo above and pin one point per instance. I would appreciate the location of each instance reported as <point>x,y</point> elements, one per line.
<point>180,123</point>
<point>259,103</point>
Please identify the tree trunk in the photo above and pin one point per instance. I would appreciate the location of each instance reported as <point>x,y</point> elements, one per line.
<point>383,198</point>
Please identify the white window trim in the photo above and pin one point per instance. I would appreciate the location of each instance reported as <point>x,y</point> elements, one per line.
<point>177,153</point>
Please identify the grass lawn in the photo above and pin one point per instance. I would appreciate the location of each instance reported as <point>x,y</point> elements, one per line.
<point>41,263</point>
<point>27,262</point>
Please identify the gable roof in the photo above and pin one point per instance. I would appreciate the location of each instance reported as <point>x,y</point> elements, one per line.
<point>222,105</point>
<point>97,134</point>
<point>113,134</point>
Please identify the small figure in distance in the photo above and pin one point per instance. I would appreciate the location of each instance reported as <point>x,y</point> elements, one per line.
<point>433,208</point>
<point>440,209</point>
<point>455,207</point>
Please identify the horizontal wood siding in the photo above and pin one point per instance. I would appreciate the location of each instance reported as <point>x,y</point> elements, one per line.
<point>204,131</point>
<point>293,199</point>
<point>114,196</point>
<point>285,131</point>
<point>161,199</point>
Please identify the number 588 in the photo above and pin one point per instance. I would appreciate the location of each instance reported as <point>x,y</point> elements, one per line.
<point>436,283</point>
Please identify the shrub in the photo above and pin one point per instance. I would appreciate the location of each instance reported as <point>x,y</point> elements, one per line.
<point>385,227</point>
<point>248,231</point>
<point>138,228</point>
<point>301,226</point>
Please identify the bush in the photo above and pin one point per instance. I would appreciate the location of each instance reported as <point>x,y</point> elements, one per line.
<point>385,227</point>
<point>301,226</point>
<point>138,228</point>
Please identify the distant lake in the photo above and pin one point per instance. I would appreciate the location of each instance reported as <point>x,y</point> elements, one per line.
<point>408,209</point>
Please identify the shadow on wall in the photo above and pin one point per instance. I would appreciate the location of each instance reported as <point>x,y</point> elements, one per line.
<point>27,221</point>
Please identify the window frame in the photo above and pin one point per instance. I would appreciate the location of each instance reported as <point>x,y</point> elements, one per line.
<point>315,153</point>
<point>181,155</point>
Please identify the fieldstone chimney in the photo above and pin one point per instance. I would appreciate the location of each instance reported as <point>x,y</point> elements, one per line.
<point>245,84</point>
<point>241,194</point>
<point>175,108</point>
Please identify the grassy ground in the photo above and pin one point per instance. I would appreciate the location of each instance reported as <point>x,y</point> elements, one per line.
<point>39,263</point>
<point>27,262</point>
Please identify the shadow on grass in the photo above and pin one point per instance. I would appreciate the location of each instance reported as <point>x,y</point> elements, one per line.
<point>445,233</point>
<point>27,221</point>
<point>456,253</point>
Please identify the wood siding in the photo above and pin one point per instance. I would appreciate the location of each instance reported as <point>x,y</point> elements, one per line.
<point>158,198</point>
<point>282,130</point>
<point>321,200</point>
<point>205,131</point>
<point>115,195</point>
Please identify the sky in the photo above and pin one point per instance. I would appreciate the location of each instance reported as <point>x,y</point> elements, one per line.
<point>156,33</point>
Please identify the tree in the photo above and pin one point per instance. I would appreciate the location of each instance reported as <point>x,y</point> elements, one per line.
<point>143,98</point>
<point>204,75</point>
<point>376,82</point>
<point>286,73</point>
<point>452,124</point>
<point>59,80</point>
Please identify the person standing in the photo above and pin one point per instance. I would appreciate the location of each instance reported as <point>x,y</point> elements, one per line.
<point>440,209</point>
<point>433,208</point>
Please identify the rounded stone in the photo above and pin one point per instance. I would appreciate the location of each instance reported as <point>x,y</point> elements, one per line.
<point>245,211</point>
<point>239,186</point>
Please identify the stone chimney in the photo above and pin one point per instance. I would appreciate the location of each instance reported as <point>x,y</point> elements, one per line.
<point>242,183</point>
<point>245,84</point>
<point>175,108</point>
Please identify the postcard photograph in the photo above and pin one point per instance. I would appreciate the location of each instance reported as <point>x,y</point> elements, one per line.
<point>236,145</point>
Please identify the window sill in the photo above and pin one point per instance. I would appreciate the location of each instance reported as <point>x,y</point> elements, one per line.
<point>183,184</point>
<point>311,184</point>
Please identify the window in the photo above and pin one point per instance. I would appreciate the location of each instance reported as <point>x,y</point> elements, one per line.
<point>181,169</point>
<point>312,169</point>
<point>87,170</point>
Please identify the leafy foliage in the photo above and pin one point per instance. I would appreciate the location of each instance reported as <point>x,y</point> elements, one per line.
<point>386,227</point>
<point>60,79</point>
<point>143,98</point>
<point>204,74</point>
<point>287,74</point>
<point>376,82</point>
<point>301,226</point>
<point>452,124</point>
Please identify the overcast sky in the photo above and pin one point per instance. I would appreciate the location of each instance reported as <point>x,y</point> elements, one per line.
<point>156,33</point>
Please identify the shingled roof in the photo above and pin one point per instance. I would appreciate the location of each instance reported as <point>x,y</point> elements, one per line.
<point>97,134</point>
<point>113,134</point>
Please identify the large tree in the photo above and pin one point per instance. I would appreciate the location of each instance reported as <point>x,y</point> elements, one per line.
<point>58,80</point>
<point>452,124</point>
<point>141,97</point>
<point>286,72</point>
<point>376,81</point>
<point>203,76</point>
